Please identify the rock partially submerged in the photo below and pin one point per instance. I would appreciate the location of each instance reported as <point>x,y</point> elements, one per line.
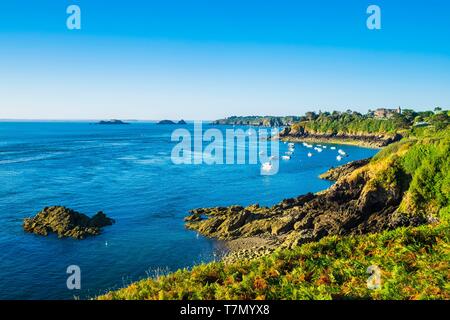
<point>66,222</point>
<point>112,122</point>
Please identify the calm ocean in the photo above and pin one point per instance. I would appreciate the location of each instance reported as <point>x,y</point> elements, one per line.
<point>125,171</point>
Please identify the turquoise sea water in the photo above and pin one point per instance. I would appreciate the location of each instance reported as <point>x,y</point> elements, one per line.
<point>127,172</point>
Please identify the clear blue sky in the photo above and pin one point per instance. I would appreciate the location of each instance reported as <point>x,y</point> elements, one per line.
<point>207,59</point>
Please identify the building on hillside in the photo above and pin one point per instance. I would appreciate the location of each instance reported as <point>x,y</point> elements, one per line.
<point>386,113</point>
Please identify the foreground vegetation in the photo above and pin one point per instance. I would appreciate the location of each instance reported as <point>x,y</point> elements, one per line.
<point>414,261</point>
<point>414,264</point>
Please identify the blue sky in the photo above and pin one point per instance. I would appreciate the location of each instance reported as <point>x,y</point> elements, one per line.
<point>197,59</point>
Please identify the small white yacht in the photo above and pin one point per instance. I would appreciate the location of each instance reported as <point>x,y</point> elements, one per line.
<point>266,166</point>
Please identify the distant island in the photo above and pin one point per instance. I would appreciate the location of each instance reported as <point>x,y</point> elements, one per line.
<point>112,122</point>
<point>266,121</point>
<point>171,122</point>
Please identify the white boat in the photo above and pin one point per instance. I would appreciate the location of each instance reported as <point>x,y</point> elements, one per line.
<point>333,148</point>
<point>339,158</point>
<point>324,147</point>
<point>318,149</point>
<point>309,154</point>
<point>273,158</point>
<point>261,153</point>
<point>286,157</point>
<point>342,152</point>
<point>291,145</point>
<point>266,166</point>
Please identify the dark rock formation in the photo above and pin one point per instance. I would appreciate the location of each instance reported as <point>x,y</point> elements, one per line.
<point>335,173</point>
<point>66,223</point>
<point>166,122</point>
<point>113,122</point>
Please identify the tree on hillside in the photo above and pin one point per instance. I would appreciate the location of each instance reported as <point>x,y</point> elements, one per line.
<point>310,115</point>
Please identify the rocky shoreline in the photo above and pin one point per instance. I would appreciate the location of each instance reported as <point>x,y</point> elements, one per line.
<point>335,173</point>
<point>367,140</point>
<point>351,206</point>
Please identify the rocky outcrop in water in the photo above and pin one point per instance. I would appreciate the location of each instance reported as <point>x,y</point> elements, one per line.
<point>66,222</point>
<point>166,122</point>
<point>112,122</point>
<point>356,204</point>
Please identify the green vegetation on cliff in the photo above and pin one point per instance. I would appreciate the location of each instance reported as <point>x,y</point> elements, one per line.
<point>414,264</point>
<point>354,123</point>
<point>422,162</point>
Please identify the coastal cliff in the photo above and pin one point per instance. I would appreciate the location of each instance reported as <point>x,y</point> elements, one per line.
<point>297,134</point>
<point>356,204</point>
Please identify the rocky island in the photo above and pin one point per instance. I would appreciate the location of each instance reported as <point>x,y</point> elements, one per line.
<point>112,122</point>
<point>172,122</point>
<point>66,222</point>
<point>166,122</point>
<point>264,121</point>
